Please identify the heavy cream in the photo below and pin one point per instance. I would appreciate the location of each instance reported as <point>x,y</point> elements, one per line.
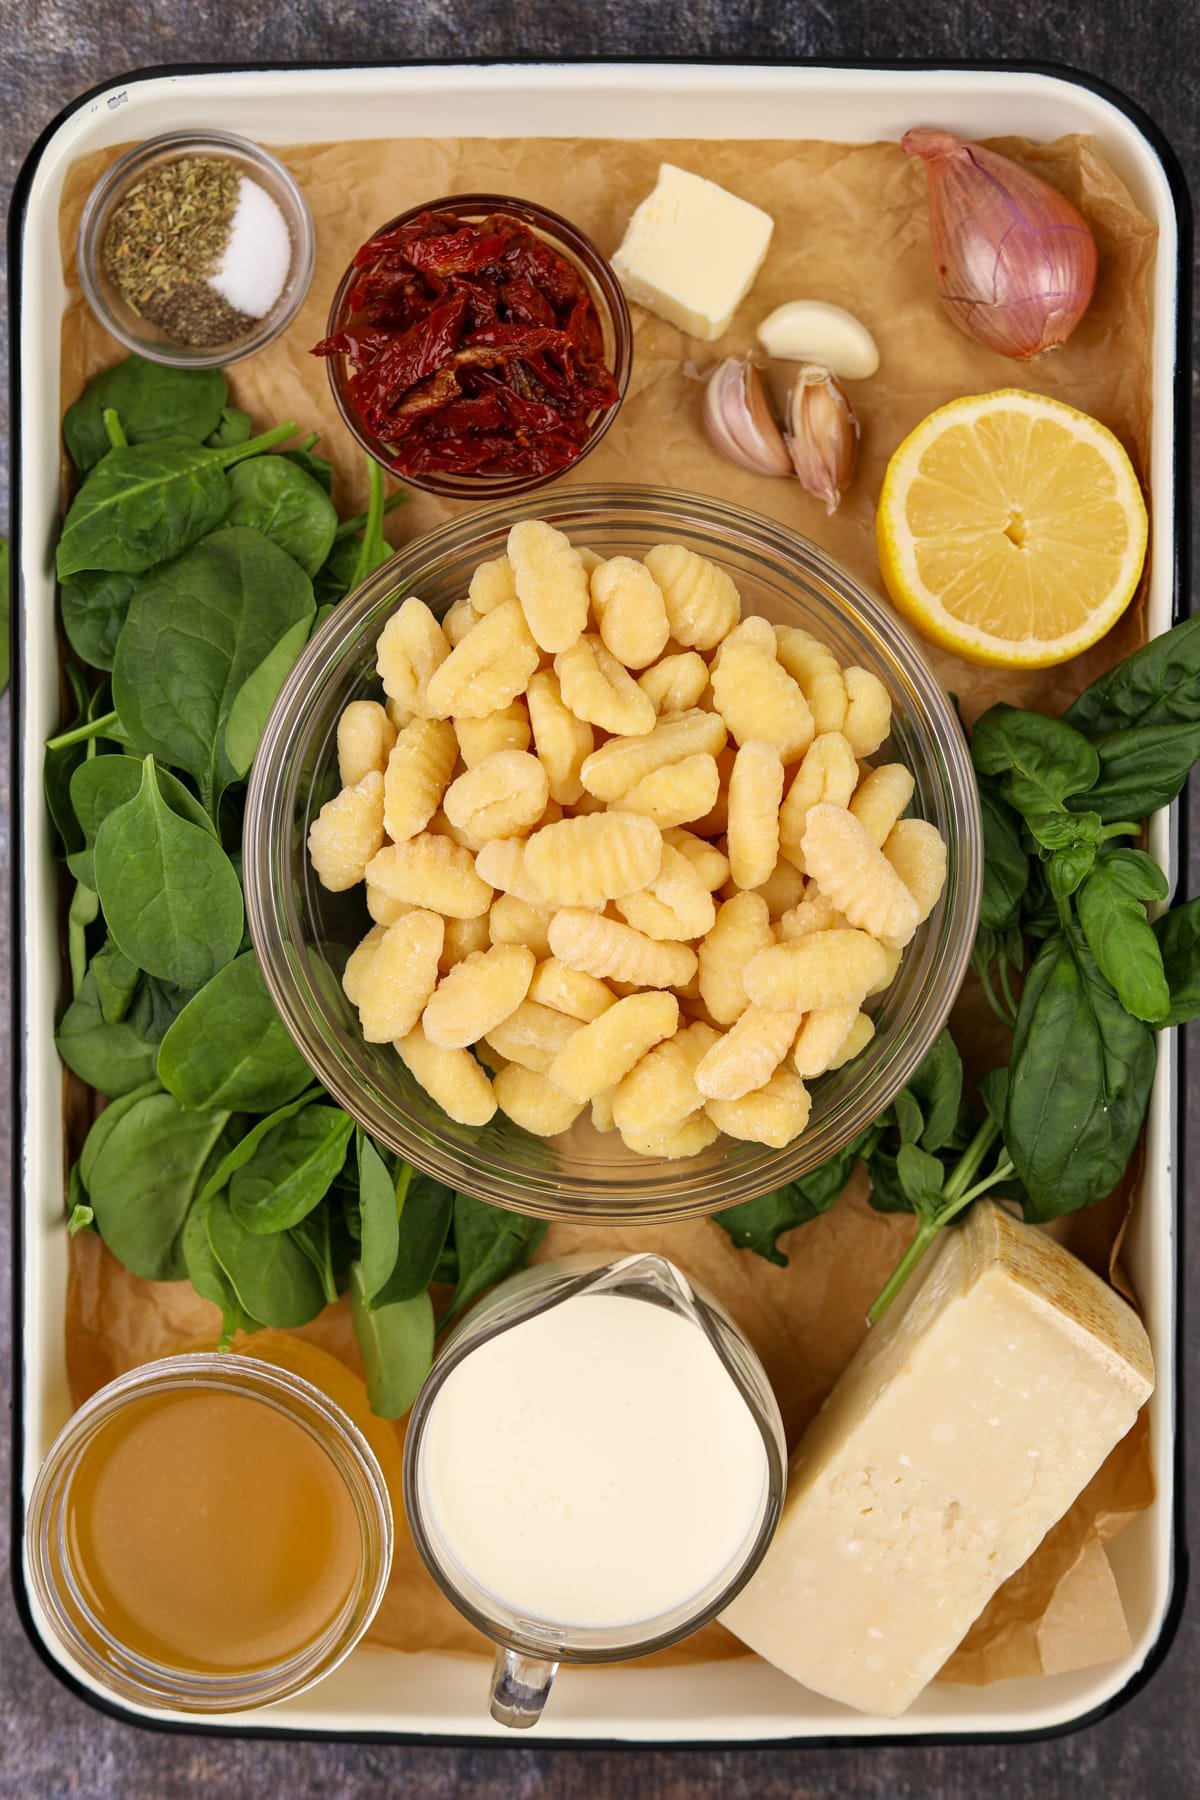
<point>593,1466</point>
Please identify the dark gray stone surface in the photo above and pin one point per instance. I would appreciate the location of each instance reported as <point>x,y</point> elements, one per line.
<point>51,50</point>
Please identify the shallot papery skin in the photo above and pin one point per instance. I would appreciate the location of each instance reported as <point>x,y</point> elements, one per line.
<point>1015,263</point>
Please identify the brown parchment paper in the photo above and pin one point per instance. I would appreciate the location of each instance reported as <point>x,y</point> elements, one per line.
<point>850,227</point>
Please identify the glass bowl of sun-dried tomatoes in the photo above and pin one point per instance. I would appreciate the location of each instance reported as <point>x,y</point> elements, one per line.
<point>478,346</point>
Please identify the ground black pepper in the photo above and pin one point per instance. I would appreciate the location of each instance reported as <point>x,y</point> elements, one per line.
<point>195,314</point>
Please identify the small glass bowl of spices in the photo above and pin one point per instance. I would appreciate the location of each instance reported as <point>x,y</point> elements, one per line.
<point>478,346</point>
<point>196,249</point>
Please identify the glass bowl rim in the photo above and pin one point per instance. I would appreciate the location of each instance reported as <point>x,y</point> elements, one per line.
<point>602,278</point>
<point>543,1193</point>
<point>89,247</point>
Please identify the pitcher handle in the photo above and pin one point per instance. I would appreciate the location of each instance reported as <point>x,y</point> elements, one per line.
<point>520,1687</point>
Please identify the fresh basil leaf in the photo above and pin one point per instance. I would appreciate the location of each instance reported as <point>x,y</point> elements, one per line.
<point>491,1244</point>
<point>153,401</point>
<point>887,1190</point>
<point>758,1225</point>
<point>378,1214</point>
<point>196,632</point>
<point>1158,685</point>
<point>937,1085</point>
<point>1043,761</point>
<point>1064,830</point>
<point>1143,769</point>
<point>922,1178</point>
<point>144,1178</point>
<point>290,1170</point>
<point>1005,866</point>
<point>910,1120</point>
<point>229,1047</point>
<point>396,1345</point>
<point>993,1091</point>
<point>94,604</point>
<point>274,1280</point>
<point>1067,868</point>
<point>272,494</point>
<point>1080,1075</point>
<point>1178,936</point>
<point>1112,913</point>
<point>171,896</point>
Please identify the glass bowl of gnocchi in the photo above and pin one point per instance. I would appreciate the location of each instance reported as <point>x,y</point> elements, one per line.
<point>617,864</point>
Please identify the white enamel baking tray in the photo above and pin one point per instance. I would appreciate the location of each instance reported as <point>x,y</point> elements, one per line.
<point>385,1694</point>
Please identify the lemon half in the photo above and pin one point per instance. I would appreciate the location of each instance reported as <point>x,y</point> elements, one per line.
<point>1011,529</point>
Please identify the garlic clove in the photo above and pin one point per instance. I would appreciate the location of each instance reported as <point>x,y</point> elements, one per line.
<point>822,435</point>
<point>813,331</point>
<point>739,421</point>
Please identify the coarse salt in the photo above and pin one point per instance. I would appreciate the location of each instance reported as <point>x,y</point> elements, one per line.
<point>257,257</point>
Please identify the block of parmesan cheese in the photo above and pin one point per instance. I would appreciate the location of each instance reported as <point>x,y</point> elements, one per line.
<point>691,251</point>
<point>971,1418</point>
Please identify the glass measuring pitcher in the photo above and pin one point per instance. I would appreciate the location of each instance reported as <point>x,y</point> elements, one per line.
<point>593,1469</point>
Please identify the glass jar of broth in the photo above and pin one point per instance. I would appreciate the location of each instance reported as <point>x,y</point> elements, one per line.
<point>208,1533</point>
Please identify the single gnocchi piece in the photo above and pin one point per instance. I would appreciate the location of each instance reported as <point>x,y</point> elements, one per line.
<point>619,765</point>
<point>562,742</point>
<point>569,990</point>
<point>880,799</point>
<point>365,736</point>
<point>660,1091</point>
<point>773,1115</point>
<point>676,682</point>
<point>915,850</point>
<point>412,647</point>
<point>815,912</point>
<point>458,620</point>
<point>418,769</point>
<point>856,875</point>
<point>716,820</point>
<point>492,583</point>
<point>382,908</point>
<point>501,797</point>
<point>856,1041</point>
<point>868,711</point>
<point>501,863</point>
<point>400,976</point>
<point>431,871</point>
<point>463,938</point>
<point>755,791</point>
<point>347,834</point>
<point>477,994</point>
<point>701,601</point>
<point>826,968</point>
<point>783,888</point>
<point>756,697</point>
<point>551,583</point>
<point>675,905</point>
<point>531,1102</point>
<point>829,773</point>
<point>487,670</point>
<point>676,794</point>
<point>613,951</point>
<point>506,729</point>
<point>629,608</point>
<point>742,929</point>
<point>601,690</point>
<point>687,1139</point>
<point>817,673</point>
<point>748,1054</point>
<point>710,863</point>
<point>601,1112</point>
<point>533,1035</point>
<point>451,1078</point>
<point>599,857</point>
<point>355,976</point>
<point>600,1053</point>
<point>821,1039</point>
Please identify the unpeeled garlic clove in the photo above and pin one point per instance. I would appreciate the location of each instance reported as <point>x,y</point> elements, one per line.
<point>822,435</point>
<point>739,421</point>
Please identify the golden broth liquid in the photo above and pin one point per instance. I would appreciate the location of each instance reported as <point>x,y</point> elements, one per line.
<point>211,1533</point>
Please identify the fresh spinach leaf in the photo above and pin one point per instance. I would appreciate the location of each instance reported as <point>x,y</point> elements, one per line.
<point>116,982</point>
<point>151,502</point>
<point>229,1047</point>
<point>170,894</point>
<point>101,784</point>
<point>319,467</point>
<point>1158,685</point>
<point>103,1126</point>
<point>396,1345</point>
<point>94,604</point>
<point>426,1215</point>
<point>257,695</point>
<point>379,1215</point>
<point>1112,914</point>
<point>1005,866</point>
<point>233,428</point>
<point>195,634</point>
<point>84,910</point>
<point>490,1245</point>
<point>153,401</point>
<point>1178,935</point>
<point>1043,761</point>
<point>273,495</point>
<point>240,1152</point>
<point>144,1178</point>
<point>206,1274</point>
<point>274,1280</point>
<point>117,1058</point>
<point>1079,1081</point>
<point>59,765</point>
<point>290,1171</point>
<point>311,1234</point>
<point>1142,769</point>
<point>80,1218</point>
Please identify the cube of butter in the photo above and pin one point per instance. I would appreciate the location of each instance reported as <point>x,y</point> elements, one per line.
<point>968,1422</point>
<point>691,252</point>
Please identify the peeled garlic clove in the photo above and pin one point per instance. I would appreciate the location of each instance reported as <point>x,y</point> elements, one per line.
<point>822,435</point>
<point>738,418</point>
<point>812,331</point>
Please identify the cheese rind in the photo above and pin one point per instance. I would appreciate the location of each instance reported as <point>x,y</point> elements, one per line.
<point>691,252</point>
<point>969,1421</point>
